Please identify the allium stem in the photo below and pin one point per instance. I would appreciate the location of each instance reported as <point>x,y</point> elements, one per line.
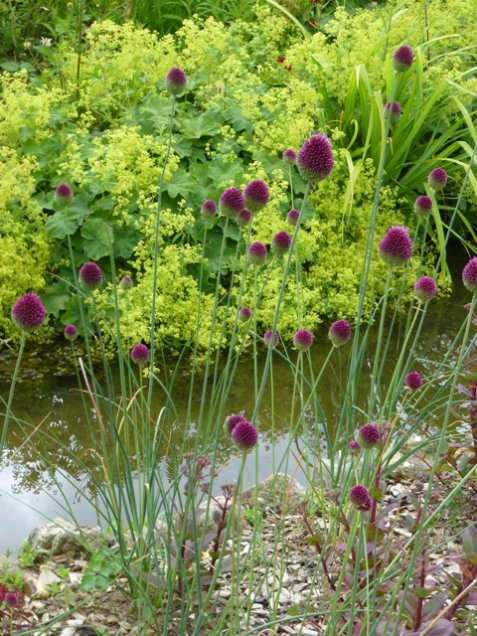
<point>80,9</point>
<point>375,378</point>
<point>156,253</point>
<point>11,393</point>
<point>266,368</point>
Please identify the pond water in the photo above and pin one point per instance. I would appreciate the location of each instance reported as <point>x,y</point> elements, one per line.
<point>47,397</point>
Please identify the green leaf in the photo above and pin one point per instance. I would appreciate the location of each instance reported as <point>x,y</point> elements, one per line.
<point>95,239</point>
<point>59,226</point>
<point>221,173</point>
<point>181,183</point>
<point>315,540</point>
<point>234,116</point>
<point>102,568</point>
<point>205,125</point>
<point>124,244</point>
<point>55,299</point>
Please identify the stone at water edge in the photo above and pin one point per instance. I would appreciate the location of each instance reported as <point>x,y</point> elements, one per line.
<point>62,537</point>
<point>278,488</point>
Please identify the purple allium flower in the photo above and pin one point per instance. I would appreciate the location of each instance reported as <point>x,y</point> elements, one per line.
<point>354,447</point>
<point>63,194</point>
<point>289,157</point>
<point>267,338</point>
<point>303,339</point>
<point>423,205</point>
<point>413,380</point>
<point>339,333</point>
<point>256,195</point>
<point>12,599</point>
<point>469,275</point>
<point>28,313</point>
<point>281,243</point>
<point>140,354</point>
<point>393,109</point>
<point>244,434</point>
<point>245,314</point>
<point>395,248</point>
<point>425,289</point>
<point>231,202</point>
<point>232,421</point>
<point>403,58</point>
<point>176,81</point>
<point>70,332</point>
<point>437,179</point>
<point>359,497</point>
<point>244,217</point>
<point>126,283</point>
<point>257,253</point>
<point>369,435</point>
<point>208,208</point>
<point>315,158</point>
<point>90,275</point>
<point>293,216</point>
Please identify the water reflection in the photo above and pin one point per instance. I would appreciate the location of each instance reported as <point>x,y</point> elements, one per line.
<point>51,409</point>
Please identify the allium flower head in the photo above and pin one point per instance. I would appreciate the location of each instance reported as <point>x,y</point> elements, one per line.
<point>354,447</point>
<point>140,354</point>
<point>315,159</point>
<point>70,332</point>
<point>289,157</point>
<point>281,243</point>
<point>176,81</point>
<point>423,205</point>
<point>339,333</point>
<point>303,339</point>
<point>393,109</point>
<point>257,253</point>
<point>425,289</point>
<point>293,216</point>
<point>267,338</point>
<point>232,421</point>
<point>469,275</point>
<point>256,195</point>
<point>231,202</point>
<point>63,194</point>
<point>369,435</point>
<point>244,217</point>
<point>244,434</point>
<point>437,179</point>
<point>28,313</point>
<point>359,497</point>
<point>12,599</point>
<point>90,275</point>
<point>395,248</point>
<point>413,380</point>
<point>208,209</point>
<point>126,283</point>
<point>403,58</point>
<point>245,314</point>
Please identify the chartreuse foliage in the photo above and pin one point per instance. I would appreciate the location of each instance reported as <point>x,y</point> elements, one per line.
<point>105,135</point>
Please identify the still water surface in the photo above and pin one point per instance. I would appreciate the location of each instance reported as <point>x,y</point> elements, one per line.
<point>47,394</point>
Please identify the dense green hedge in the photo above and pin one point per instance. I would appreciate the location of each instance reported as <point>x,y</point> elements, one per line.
<point>106,137</point>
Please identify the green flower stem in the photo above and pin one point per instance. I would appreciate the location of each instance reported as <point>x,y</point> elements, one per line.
<point>156,252</point>
<point>12,392</point>
<point>375,378</point>
<point>263,383</point>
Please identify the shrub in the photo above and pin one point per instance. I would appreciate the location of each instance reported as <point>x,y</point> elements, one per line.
<point>106,137</point>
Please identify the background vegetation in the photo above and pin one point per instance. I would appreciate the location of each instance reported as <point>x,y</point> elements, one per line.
<point>91,111</point>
